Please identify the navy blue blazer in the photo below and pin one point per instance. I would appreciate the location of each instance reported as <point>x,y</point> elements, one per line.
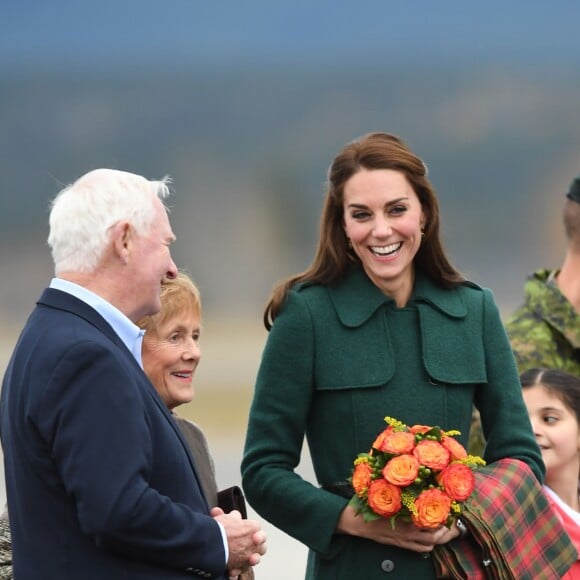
<point>100,482</point>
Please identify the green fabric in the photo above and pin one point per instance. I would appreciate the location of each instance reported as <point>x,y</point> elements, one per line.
<point>339,359</point>
<point>545,330</point>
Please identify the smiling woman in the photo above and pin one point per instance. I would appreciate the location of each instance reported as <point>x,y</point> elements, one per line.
<point>380,324</point>
<point>171,350</point>
<point>170,354</point>
<point>384,221</point>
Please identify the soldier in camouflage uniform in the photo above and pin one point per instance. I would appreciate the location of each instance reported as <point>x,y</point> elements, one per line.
<point>545,331</point>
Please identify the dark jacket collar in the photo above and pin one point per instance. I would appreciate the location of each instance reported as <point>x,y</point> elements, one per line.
<point>356,298</point>
<point>54,298</point>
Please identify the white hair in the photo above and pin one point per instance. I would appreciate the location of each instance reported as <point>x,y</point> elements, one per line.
<point>82,214</point>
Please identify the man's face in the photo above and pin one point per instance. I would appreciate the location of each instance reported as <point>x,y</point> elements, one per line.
<point>151,262</point>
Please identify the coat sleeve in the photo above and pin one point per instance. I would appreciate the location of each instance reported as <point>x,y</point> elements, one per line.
<point>93,419</point>
<point>277,423</point>
<point>504,417</point>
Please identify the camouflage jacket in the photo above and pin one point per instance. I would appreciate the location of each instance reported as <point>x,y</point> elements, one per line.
<point>545,330</point>
<point>5,549</point>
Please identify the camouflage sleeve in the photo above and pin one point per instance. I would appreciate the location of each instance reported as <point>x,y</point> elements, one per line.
<point>5,550</point>
<point>532,342</point>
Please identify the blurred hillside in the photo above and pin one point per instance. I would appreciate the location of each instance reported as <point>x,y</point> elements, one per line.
<point>248,155</point>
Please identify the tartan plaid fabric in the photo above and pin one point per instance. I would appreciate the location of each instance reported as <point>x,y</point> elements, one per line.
<point>514,533</point>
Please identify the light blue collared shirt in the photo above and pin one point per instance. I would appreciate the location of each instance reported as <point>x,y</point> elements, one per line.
<point>129,333</point>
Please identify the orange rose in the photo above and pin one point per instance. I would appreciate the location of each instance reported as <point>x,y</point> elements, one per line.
<point>432,454</point>
<point>420,429</point>
<point>398,442</point>
<point>458,481</point>
<point>455,448</point>
<point>384,498</point>
<point>401,470</point>
<point>433,507</point>
<point>378,444</point>
<point>361,477</point>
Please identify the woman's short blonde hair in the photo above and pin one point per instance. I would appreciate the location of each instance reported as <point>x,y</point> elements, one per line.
<point>178,297</point>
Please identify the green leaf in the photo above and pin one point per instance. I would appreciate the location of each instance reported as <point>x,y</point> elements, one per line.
<point>370,516</point>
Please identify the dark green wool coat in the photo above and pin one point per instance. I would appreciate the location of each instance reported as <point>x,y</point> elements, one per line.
<point>337,361</point>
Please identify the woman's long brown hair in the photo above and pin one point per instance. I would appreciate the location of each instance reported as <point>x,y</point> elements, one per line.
<point>333,256</point>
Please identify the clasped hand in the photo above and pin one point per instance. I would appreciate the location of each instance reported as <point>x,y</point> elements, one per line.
<point>246,540</point>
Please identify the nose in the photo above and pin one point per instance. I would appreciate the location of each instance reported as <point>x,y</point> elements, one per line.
<point>535,427</point>
<point>382,227</point>
<point>191,350</point>
<point>171,272</point>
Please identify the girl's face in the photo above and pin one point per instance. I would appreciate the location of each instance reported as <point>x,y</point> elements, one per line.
<point>556,429</point>
<point>383,219</point>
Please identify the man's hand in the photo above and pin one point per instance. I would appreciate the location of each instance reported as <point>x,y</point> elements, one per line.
<point>246,541</point>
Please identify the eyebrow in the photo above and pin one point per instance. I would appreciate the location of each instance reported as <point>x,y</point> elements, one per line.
<point>182,328</point>
<point>388,204</point>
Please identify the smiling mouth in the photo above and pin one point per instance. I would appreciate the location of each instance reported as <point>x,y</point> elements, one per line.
<point>386,250</point>
<point>182,375</point>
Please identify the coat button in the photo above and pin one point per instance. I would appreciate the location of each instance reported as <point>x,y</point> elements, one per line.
<point>387,565</point>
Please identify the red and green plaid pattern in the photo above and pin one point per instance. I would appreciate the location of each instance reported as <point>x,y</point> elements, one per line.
<point>514,533</point>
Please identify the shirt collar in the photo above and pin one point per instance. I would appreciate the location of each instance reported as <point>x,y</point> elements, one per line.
<point>128,332</point>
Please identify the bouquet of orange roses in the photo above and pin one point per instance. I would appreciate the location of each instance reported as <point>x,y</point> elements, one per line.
<point>419,473</point>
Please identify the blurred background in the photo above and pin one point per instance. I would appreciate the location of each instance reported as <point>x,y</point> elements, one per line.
<point>245,104</point>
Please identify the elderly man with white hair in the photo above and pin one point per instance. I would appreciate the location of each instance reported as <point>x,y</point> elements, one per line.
<point>100,484</point>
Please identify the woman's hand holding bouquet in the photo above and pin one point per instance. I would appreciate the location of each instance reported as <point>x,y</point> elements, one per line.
<point>420,474</point>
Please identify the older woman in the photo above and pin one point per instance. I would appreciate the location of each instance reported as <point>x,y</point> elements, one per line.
<point>170,354</point>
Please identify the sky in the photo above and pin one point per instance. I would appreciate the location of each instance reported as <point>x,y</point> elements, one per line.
<point>261,33</point>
